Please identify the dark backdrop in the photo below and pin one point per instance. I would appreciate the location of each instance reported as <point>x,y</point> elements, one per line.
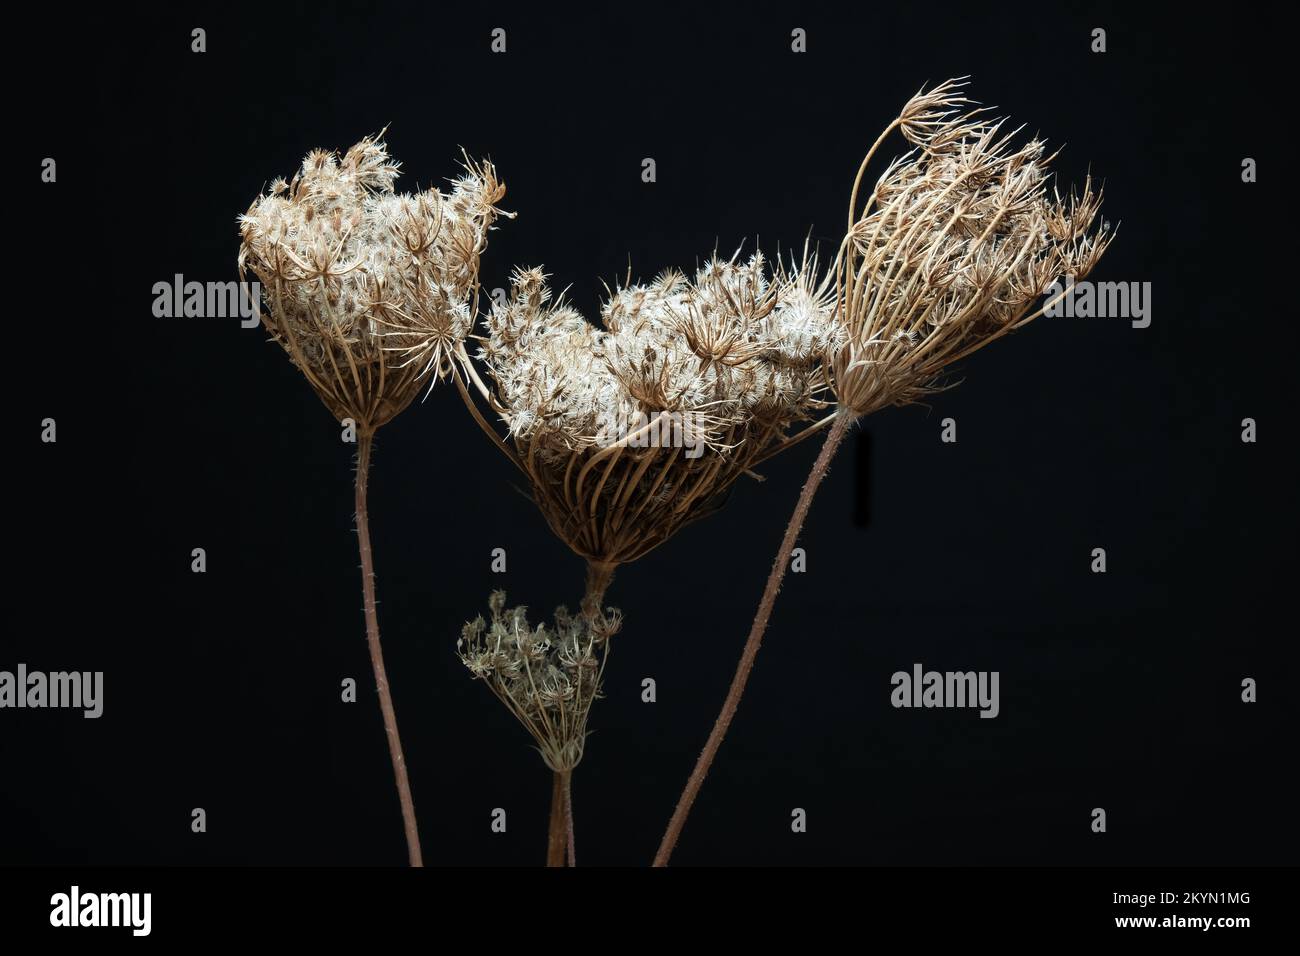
<point>1119,691</point>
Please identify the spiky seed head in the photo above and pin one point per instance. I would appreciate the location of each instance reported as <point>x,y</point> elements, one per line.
<point>368,291</point>
<point>955,245</point>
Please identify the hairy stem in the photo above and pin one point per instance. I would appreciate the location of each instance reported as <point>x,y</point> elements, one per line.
<point>833,438</point>
<point>568,818</point>
<point>364,442</point>
<point>557,837</point>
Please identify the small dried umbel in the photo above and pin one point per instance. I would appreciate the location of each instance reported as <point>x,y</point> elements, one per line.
<point>629,432</point>
<point>368,291</point>
<point>547,678</point>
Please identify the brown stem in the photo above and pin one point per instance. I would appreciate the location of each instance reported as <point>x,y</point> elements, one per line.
<point>599,576</point>
<point>774,579</point>
<point>560,841</point>
<point>364,442</point>
<point>557,836</point>
<point>568,818</point>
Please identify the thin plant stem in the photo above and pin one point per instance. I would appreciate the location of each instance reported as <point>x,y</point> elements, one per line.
<point>568,818</point>
<point>599,575</point>
<point>833,438</point>
<point>557,837</point>
<point>364,443</point>
<point>478,417</point>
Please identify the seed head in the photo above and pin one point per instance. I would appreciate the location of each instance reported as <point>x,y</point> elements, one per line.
<point>632,430</point>
<point>956,243</point>
<point>547,678</point>
<point>368,291</point>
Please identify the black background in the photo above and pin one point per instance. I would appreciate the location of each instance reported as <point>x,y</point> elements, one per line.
<point>1119,691</point>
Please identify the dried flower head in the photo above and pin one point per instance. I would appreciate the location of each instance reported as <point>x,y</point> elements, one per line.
<point>956,243</point>
<point>628,432</point>
<point>368,291</point>
<point>547,678</point>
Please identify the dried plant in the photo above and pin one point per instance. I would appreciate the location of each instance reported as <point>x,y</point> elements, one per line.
<point>956,243</point>
<point>629,432</point>
<point>548,680</point>
<point>370,293</point>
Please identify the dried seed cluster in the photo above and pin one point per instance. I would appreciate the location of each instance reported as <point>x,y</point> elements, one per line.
<point>955,244</point>
<point>731,347</point>
<point>368,291</point>
<point>547,678</point>
<point>628,431</point>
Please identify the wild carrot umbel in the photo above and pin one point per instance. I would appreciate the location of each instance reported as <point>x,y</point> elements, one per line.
<point>548,679</point>
<point>951,250</point>
<point>629,432</point>
<point>370,293</point>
